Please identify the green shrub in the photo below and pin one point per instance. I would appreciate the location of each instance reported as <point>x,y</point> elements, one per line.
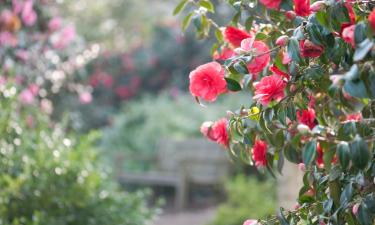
<point>247,198</point>
<point>50,178</point>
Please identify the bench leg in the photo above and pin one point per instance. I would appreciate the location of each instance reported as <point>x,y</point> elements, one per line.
<point>181,194</point>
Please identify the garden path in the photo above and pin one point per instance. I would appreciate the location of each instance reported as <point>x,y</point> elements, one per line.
<point>190,217</point>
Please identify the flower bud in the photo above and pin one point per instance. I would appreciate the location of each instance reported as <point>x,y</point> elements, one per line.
<point>355,208</point>
<point>318,5</point>
<point>293,88</point>
<point>282,40</point>
<point>290,15</point>
<point>302,167</point>
<point>303,129</point>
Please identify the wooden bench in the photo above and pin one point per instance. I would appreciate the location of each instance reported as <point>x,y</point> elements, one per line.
<point>182,163</point>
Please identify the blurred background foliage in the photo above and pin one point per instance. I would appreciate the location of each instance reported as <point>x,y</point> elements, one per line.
<point>246,198</point>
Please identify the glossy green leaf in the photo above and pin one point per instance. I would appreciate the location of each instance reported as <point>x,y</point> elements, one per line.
<point>360,153</point>
<point>180,7</point>
<point>309,152</point>
<point>232,84</point>
<point>343,153</point>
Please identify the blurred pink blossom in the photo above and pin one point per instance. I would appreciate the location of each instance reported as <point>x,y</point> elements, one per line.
<point>8,39</point>
<point>34,88</point>
<point>85,98</point>
<point>26,97</point>
<point>17,6</point>
<point>28,14</point>
<point>64,38</point>
<point>22,54</point>
<point>46,106</point>
<point>6,16</point>
<point>54,24</point>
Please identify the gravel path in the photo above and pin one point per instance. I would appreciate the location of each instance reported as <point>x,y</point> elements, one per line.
<point>191,217</point>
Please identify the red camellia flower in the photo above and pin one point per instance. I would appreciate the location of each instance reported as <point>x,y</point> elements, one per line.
<point>355,117</point>
<point>260,48</point>
<point>348,35</point>
<point>309,49</point>
<point>320,156</point>
<point>271,4</point>
<point>302,7</point>
<point>269,88</point>
<point>371,19</point>
<point>207,81</point>
<point>225,54</point>
<point>307,117</point>
<point>216,131</point>
<point>260,153</point>
<point>235,35</point>
<point>277,71</point>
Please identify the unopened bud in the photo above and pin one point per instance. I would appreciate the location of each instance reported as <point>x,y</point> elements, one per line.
<point>355,208</point>
<point>318,5</point>
<point>293,88</point>
<point>290,15</point>
<point>282,40</point>
<point>302,167</point>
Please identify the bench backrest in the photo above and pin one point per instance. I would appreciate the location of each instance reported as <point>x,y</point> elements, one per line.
<point>200,160</point>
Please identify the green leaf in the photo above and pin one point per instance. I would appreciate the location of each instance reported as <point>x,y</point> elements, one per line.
<point>232,84</point>
<point>186,21</point>
<point>208,5</point>
<point>282,218</point>
<point>362,49</point>
<point>291,154</point>
<point>346,195</point>
<point>261,36</point>
<point>309,153</point>
<point>360,152</point>
<point>293,49</point>
<point>180,7</point>
<point>343,153</point>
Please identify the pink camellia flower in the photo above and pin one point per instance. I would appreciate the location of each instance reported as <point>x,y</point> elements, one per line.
<point>219,129</point>
<point>269,88</point>
<point>26,97</point>
<point>260,153</point>
<point>226,53</point>
<point>354,117</point>
<point>371,19</point>
<point>307,117</point>
<point>251,222</point>
<point>206,130</point>
<point>216,131</point>
<point>64,38</point>
<point>28,14</point>
<point>302,7</point>
<point>235,35</point>
<point>8,39</point>
<point>271,4</point>
<point>309,49</point>
<point>54,24</point>
<point>85,98</point>
<point>348,35</point>
<point>46,106</point>
<point>257,64</point>
<point>207,81</point>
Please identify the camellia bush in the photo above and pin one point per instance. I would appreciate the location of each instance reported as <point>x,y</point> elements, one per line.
<point>308,68</point>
